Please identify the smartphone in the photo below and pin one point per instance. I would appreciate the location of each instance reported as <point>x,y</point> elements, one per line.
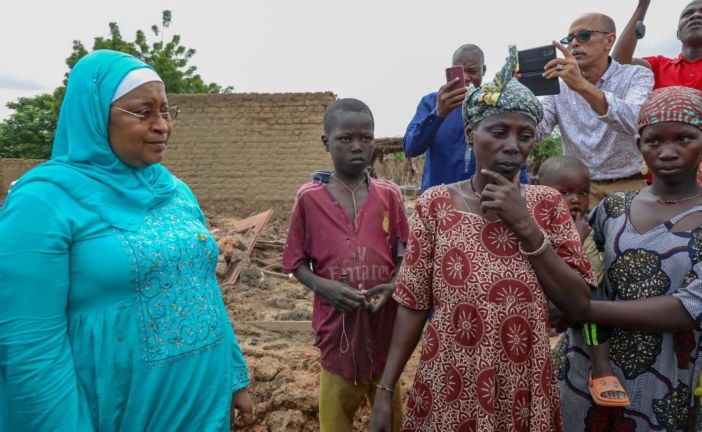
<point>531,67</point>
<point>454,72</point>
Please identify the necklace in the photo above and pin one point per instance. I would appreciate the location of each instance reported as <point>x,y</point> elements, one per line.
<point>675,201</point>
<point>351,191</point>
<point>465,201</point>
<point>475,191</point>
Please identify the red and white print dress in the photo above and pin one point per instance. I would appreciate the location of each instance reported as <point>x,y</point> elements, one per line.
<point>486,360</point>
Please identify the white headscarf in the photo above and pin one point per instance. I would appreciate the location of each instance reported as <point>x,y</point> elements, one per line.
<point>134,79</point>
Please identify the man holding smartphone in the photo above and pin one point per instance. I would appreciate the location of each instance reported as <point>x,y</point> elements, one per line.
<point>437,129</point>
<point>598,107</point>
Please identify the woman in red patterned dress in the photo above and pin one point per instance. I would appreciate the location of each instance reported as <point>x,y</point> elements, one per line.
<point>485,254</point>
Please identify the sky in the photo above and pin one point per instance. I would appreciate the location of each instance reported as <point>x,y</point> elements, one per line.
<point>386,53</point>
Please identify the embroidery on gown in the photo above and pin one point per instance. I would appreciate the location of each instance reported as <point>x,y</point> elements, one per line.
<point>169,255</point>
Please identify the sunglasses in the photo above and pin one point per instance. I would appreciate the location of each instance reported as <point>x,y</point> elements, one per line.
<point>582,36</point>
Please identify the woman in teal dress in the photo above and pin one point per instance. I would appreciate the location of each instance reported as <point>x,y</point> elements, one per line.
<point>111,318</point>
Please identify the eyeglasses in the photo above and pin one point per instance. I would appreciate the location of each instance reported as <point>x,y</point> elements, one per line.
<point>582,36</point>
<point>149,115</point>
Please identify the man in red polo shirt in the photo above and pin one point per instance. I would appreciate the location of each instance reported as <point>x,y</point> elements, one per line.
<point>683,70</point>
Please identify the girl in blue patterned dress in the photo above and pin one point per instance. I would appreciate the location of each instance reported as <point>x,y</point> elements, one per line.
<point>652,245</point>
<point>111,316</point>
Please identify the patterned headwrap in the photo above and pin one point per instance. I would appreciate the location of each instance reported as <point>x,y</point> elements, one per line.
<point>504,94</point>
<point>672,104</point>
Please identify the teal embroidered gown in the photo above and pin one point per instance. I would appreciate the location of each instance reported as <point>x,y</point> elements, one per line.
<point>110,330</point>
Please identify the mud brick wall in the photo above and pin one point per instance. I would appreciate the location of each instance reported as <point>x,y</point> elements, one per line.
<point>243,153</point>
<point>239,153</point>
<point>11,170</point>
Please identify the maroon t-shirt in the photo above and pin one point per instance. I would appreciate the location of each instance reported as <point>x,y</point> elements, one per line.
<point>354,345</point>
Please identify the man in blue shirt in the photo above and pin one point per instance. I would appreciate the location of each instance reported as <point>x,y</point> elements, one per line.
<point>437,128</point>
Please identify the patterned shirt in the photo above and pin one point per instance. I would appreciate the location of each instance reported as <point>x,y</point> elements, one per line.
<point>659,371</point>
<point>606,144</point>
<point>485,362</point>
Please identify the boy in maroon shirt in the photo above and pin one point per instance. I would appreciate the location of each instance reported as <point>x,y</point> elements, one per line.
<point>345,242</point>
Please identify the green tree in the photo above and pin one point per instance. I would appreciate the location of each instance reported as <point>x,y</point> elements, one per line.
<point>169,58</point>
<point>29,131</point>
<point>544,149</point>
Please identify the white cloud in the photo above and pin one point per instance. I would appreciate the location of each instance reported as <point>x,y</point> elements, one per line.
<point>15,83</point>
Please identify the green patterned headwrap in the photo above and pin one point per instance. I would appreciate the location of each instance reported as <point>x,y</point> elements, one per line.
<point>503,94</point>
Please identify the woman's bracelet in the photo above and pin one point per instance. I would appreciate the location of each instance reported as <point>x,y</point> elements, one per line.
<point>383,388</point>
<point>541,249</point>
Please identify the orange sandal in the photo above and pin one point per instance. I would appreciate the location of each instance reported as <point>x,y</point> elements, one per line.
<point>599,386</point>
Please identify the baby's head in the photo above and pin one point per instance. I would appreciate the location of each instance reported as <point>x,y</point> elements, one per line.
<point>569,176</point>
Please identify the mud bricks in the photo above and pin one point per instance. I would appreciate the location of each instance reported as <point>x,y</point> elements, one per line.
<point>248,152</point>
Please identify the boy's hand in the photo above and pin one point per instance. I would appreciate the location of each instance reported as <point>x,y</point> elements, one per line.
<point>581,225</point>
<point>342,297</point>
<point>377,296</point>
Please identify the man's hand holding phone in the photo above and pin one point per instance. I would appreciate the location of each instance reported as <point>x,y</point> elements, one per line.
<point>452,93</point>
<point>565,68</point>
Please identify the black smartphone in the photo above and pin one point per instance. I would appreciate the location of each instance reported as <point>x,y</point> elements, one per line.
<point>531,67</point>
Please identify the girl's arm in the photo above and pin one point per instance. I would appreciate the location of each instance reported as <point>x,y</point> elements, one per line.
<point>658,314</point>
